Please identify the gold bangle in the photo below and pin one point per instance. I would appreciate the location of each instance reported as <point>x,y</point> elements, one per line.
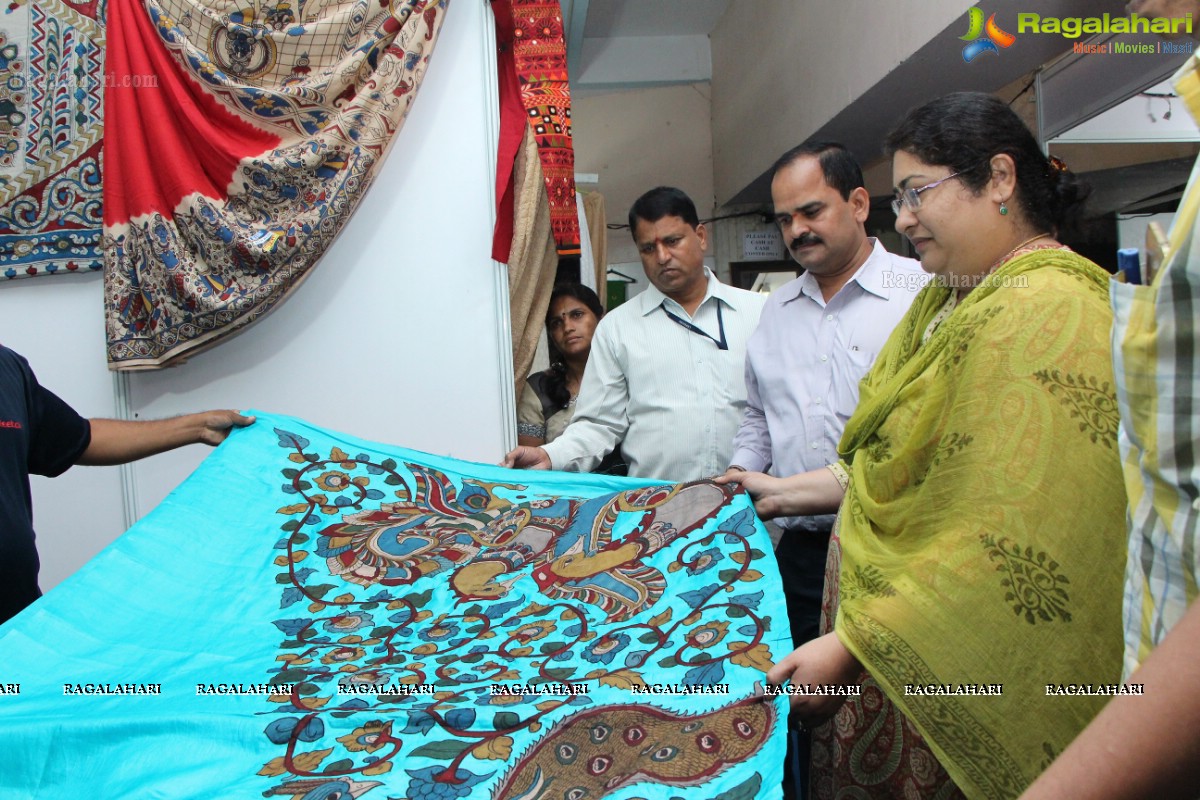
<point>839,472</point>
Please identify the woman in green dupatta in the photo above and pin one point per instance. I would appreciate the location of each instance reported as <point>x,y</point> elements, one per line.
<point>981,537</point>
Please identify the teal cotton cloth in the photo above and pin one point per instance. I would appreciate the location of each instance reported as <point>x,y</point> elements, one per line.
<point>314,616</point>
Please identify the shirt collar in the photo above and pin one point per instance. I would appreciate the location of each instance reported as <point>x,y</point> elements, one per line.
<point>652,298</point>
<point>869,277</point>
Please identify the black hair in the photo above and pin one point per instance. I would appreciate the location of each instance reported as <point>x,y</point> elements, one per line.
<point>556,379</point>
<point>840,168</point>
<point>963,130</point>
<point>662,201</point>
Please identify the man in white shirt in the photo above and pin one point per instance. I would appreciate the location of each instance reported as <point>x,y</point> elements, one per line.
<point>818,336</point>
<point>665,378</point>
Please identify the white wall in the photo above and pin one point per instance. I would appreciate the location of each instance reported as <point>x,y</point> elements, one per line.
<point>57,323</point>
<point>400,334</point>
<point>642,138</point>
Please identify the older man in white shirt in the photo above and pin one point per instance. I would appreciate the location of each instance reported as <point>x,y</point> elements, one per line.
<point>665,378</point>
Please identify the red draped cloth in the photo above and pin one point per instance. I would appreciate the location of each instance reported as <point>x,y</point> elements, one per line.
<point>532,63</point>
<point>237,145</point>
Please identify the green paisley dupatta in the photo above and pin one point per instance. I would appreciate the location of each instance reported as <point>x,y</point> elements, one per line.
<point>983,532</point>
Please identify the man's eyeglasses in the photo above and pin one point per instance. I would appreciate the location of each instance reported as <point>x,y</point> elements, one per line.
<point>911,198</point>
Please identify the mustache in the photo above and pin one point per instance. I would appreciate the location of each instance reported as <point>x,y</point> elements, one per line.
<point>805,240</point>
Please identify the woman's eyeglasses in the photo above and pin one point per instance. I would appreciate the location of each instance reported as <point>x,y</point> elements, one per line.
<point>911,198</point>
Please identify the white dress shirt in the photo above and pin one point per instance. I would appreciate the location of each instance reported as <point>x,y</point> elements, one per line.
<point>666,394</point>
<point>805,361</point>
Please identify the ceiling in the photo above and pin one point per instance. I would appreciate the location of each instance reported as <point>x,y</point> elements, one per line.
<point>615,45</point>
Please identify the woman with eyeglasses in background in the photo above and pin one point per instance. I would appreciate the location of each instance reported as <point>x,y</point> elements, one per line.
<point>977,564</point>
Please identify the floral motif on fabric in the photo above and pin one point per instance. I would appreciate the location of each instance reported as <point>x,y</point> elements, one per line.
<point>1032,580</point>
<point>295,105</point>
<point>961,332</point>
<point>1089,285</point>
<point>952,444</point>
<point>13,90</point>
<point>866,581</point>
<point>457,637</point>
<point>989,765</point>
<point>242,277</point>
<point>51,124</point>
<point>880,449</point>
<point>948,446</point>
<point>870,746</point>
<point>1091,400</point>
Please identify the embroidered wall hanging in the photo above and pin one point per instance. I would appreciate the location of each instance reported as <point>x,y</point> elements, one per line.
<point>51,126</point>
<point>235,171</point>
<point>534,91</point>
<point>313,616</point>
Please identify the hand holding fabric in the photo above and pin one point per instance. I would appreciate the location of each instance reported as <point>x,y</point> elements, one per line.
<point>823,661</point>
<point>119,441</point>
<point>216,425</point>
<point>815,492</point>
<point>527,458</point>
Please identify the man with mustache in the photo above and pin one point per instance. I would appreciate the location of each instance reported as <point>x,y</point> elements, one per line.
<point>818,336</point>
<point>664,379</point>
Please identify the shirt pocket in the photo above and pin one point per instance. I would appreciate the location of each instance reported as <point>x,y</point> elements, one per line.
<point>848,373</point>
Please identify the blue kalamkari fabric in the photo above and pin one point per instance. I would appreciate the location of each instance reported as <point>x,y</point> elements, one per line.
<point>312,616</point>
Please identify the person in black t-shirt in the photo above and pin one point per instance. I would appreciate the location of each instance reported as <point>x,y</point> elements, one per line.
<point>42,435</point>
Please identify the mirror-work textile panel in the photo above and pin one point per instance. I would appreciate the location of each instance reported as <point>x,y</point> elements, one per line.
<point>313,616</point>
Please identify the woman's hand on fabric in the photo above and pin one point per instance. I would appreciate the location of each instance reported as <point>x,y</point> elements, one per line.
<point>768,493</point>
<point>824,661</point>
<point>815,492</point>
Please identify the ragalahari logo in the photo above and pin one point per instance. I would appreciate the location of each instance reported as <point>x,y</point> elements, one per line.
<point>993,37</point>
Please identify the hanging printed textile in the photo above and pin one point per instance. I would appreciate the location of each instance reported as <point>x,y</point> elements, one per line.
<point>315,616</point>
<point>51,126</point>
<point>228,179</point>
<point>534,92</point>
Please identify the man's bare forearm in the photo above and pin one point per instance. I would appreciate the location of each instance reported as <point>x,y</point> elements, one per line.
<point>118,441</point>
